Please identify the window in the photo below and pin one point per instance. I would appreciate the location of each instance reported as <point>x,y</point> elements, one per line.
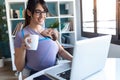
<point>101,17</point>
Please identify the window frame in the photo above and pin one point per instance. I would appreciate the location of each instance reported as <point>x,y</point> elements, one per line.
<point>115,38</point>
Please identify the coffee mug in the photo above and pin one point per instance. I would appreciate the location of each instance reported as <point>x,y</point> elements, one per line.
<point>33,44</point>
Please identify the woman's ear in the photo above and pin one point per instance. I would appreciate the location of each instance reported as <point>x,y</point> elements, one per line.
<point>29,13</point>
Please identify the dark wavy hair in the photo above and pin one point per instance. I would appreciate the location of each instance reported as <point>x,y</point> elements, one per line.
<point>31,5</point>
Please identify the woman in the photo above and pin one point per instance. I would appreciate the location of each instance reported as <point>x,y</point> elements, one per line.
<point>45,55</point>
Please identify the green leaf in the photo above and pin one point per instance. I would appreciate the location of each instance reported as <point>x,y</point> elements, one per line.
<point>54,25</point>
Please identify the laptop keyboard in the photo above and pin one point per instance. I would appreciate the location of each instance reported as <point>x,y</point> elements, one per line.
<point>65,75</point>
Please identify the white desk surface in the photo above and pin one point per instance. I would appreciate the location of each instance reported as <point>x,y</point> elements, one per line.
<point>110,72</point>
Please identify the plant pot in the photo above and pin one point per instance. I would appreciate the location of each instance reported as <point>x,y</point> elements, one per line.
<point>1,63</point>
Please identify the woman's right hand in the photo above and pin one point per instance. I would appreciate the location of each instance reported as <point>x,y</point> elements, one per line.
<point>23,45</point>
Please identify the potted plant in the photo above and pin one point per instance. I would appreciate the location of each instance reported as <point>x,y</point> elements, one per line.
<point>1,60</point>
<point>55,24</point>
<point>3,34</point>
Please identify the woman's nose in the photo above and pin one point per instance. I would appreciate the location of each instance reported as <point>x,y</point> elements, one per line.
<point>43,15</point>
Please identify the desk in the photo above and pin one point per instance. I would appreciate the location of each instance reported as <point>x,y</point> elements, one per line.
<point>111,71</point>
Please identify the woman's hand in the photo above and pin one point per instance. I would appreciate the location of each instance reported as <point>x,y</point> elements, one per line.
<point>23,45</point>
<point>53,34</point>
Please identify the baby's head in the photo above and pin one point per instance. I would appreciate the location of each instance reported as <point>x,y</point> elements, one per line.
<point>53,34</point>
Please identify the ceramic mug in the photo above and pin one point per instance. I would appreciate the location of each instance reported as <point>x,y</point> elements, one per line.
<point>33,44</point>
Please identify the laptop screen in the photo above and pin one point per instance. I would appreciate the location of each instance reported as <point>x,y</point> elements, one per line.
<point>89,56</point>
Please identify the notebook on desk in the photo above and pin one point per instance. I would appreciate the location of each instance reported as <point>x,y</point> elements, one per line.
<point>88,58</point>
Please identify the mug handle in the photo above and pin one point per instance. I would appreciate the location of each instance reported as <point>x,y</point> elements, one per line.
<point>26,41</point>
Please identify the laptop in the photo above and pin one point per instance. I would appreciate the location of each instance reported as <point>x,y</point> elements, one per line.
<point>89,57</point>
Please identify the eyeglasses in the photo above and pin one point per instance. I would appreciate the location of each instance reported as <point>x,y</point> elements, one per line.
<point>39,12</point>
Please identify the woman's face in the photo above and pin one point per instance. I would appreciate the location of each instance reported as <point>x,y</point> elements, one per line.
<point>39,15</point>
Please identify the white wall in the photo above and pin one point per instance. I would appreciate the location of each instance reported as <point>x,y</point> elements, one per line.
<point>114,49</point>
<point>78,21</point>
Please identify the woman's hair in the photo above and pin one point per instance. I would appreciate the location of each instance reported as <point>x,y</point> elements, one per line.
<point>31,5</point>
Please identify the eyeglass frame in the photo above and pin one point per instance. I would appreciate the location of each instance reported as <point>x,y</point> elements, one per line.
<point>39,12</point>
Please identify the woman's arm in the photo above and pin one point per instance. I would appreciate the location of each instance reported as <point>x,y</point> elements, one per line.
<point>20,55</point>
<point>63,53</point>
